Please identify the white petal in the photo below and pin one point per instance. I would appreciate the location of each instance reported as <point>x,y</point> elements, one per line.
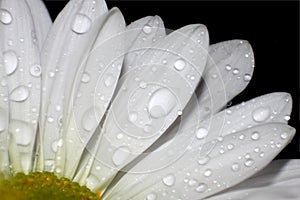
<point>136,119</point>
<point>230,161</point>
<point>279,180</point>
<point>66,47</point>
<point>22,65</point>
<point>140,36</point>
<point>41,19</point>
<point>94,88</point>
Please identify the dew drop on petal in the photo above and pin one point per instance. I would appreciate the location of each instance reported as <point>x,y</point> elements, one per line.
<point>85,78</point>
<point>207,173</point>
<point>22,132</point>
<point>235,71</point>
<point>204,160</point>
<point>120,155</point>
<point>161,103</point>
<point>90,120</point>
<point>36,70</point>
<point>132,117</point>
<point>81,24</point>
<point>235,167</point>
<point>147,29</point>
<point>287,118</point>
<point>109,80</point>
<point>202,187</point>
<point>19,94</point>
<point>192,182</point>
<point>247,77</point>
<point>169,180</point>
<point>92,181</point>
<point>5,16</point>
<point>151,196</point>
<point>249,162</point>
<point>284,135</point>
<point>179,64</point>
<point>255,135</point>
<point>201,133</point>
<point>228,67</point>
<point>261,114</point>
<point>10,61</point>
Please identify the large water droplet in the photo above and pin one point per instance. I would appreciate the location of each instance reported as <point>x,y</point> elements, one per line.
<point>201,133</point>
<point>179,64</point>
<point>202,187</point>
<point>169,180</point>
<point>5,16</point>
<point>147,29</point>
<point>120,155</point>
<point>19,94</point>
<point>3,118</point>
<point>22,132</point>
<point>247,77</point>
<point>161,103</point>
<point>90,119</point>
<point>81,24</point>
<point>36,70</point>
<point>261,114</point>
<point>10,61</point>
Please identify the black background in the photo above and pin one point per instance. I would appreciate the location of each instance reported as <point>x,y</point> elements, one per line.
<point>272,28</point>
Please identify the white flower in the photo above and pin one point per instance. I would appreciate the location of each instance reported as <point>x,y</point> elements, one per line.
<point>91,97</point>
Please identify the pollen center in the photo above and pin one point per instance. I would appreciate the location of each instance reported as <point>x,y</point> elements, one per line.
<point>43,185</point>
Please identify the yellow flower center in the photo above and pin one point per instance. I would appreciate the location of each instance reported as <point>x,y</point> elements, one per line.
<point>43,185</point>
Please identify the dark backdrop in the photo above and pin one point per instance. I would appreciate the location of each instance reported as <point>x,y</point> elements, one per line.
<point>272,28</point>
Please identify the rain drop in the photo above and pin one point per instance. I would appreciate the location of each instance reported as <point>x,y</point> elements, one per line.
<point>36,70</point>
<point>90,119</point>
<point>151,196</point>
<point>91,181</point>
<point>85,78</point>
<point>228,67</point>
<point>22,132</point>
<point>161,103</point>
<point>284,135</point>
<point>261,114</point>
<point>203,160</point>
<point>247,77</point>
<point>133,117</point>
<point>109,80</point>
<point>147,29</point>
<point>19,94</point>
<point>235,167</point>
<point>179,64</point>
<point>235,71</point>
<point>201,133</point>
<point>10,61</point>
<point>207,173</point>
<point>169,180</point>
<point>249,162</point>
<point>192,182</point>
<point>5,16</point>
<point>255,135</point>
<point>120,155</point>
<point>202,187</point>
<point>81,24</point>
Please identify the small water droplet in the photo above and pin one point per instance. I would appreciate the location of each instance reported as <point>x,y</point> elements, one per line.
<point>85,78</point>
<point>81,24</point>
<point>284,135</point>
<point>169,180</point>
<point>161,103</point>
<point>22,132</point>
<point>90,119</point>
<point>249,162</point>
<point>192,182</point>
<point>235,71</point>
<point>151,196</point>
<point>207,173</point>
<point>143,85</point>
<point>10,61</point>
<point>19,94</point>
<point>287,118</point>
<point>235,167</point>
<point>230,146</point>
<point>261,114</point>
<point>179,64</point>
<point>255,135</point>
<point>5,16</point>
<point>201,133</point>
<point>204,160</point>
<point>92,181</point>
<point>147,29</point>
<point>133,117</point>
<point>50,119</point>
<point>202,187</point>
<point>247,77</point>
<point>120,155</point>
<point>109,80</point>
<point>36,70</point>
<point>228,67</point>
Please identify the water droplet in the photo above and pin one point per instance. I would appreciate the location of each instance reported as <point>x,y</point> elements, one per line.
<point>147,29</point>
<point>22,132</point>
<point>3,120</point>
<point>201,133</point>
<point>192,182</point>
<point>120,136</point>
<point>235,71</point>
<point>92,181</point>
<point>230,146</point>
<point>109,80</point>
<point>255,135</point>
<point>169,180</point>
<point>228,67</point>
<point>10,61</point>
<point>179,64</point>
<point>207,173</point>
<point>19,94</point>
<point>58,170</point>
<point>81,24</point>
<point>161,103</point>
<point>90,119</point>
<point>5,16</point>
<point>133,117</point>
<point>249,162</point>
<point>36,70</point>
<point>151,196</point>
<point>247,77</point>
<point>203,160</point>
<point>143,85</point>
<point>85,78</point>
<point>164,61</point>
<point>50,119</point>
<point>120,155</point>
<point>235,167</point>
<point>287,118</point>
<point>202,187</point>
<point>284,135</point>
<point>261,114</point>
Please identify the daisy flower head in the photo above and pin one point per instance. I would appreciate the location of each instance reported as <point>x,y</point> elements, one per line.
<point>94,109</point>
